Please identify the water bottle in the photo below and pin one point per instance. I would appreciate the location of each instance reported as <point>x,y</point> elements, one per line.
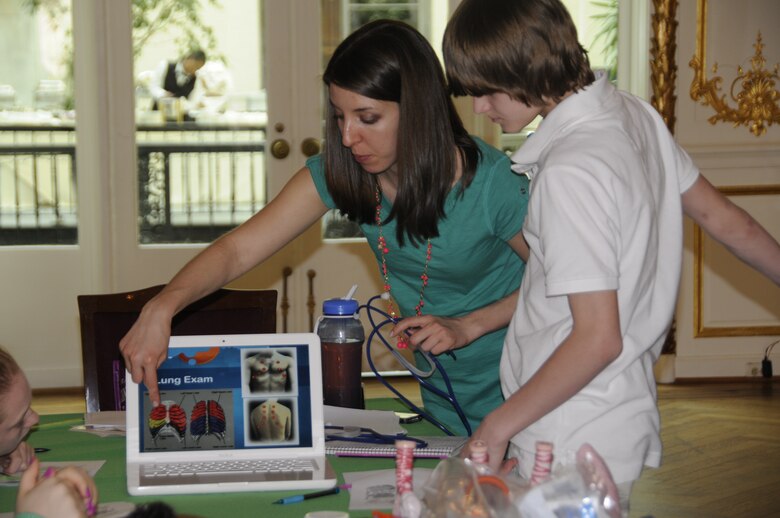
<point>341,335</point>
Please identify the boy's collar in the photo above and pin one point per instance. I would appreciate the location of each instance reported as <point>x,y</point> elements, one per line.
<point>527,170</point>
<point>525,157</point>
<point>575,106</point>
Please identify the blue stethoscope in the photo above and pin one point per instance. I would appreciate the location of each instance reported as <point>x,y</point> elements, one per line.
<point>419,375</point>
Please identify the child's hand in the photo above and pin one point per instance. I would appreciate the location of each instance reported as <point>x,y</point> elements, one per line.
<point>18,460</point>
<point>496,447</point>
<point>66,493</point>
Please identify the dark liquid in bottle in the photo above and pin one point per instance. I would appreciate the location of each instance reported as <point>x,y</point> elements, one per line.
<point>341,367</point>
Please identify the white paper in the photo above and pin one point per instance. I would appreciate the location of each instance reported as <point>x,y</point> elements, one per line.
<point>376,489</point>
<point>114,509</point>
<point>100,431</point>
<point>106,419</point>
<point>382,421</point>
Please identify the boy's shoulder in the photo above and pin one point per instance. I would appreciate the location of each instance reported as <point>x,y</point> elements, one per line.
<point>594,120</point>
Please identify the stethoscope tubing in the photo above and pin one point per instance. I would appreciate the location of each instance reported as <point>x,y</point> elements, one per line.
<point>418,374</point>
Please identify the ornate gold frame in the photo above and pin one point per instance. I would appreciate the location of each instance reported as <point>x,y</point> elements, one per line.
<point>662,65</point>
<point>698,267</point>
<point>663,80</point>
<point>757,101</point>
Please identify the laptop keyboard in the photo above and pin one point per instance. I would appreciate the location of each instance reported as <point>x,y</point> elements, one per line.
<point>233,467</point>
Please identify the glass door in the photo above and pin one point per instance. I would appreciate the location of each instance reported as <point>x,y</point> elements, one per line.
<point>218,132</point>
<point>41,267</point>
<point>209,158</point>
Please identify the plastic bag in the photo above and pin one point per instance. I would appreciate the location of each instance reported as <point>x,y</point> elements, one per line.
<point>461,488</point>
<point>584,489</point>
<point>458,488</point>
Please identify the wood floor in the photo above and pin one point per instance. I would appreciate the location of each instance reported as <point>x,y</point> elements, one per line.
<point>721,447</point>
<point>721,452</point>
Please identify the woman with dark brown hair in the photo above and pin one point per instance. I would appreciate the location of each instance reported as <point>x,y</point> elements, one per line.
<point>440,209</point>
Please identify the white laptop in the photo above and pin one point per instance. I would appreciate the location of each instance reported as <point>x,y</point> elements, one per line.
<point>237,413</point>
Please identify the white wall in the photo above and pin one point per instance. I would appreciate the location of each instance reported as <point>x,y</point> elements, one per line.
<point>732,295</point>
<point>20,47</point>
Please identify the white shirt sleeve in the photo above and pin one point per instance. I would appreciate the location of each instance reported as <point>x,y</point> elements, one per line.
<point>158,80</point>
<point>579,233</point>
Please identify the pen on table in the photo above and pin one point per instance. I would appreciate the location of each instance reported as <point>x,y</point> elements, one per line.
<point>308,496</point>
<point>57,424</point>
<point>41,450</point>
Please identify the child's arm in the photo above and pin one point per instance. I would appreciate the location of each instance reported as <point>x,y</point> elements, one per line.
<point>733,227</point>
<point>594,342</point>
<point>69,492</point>
<point>17,460</point>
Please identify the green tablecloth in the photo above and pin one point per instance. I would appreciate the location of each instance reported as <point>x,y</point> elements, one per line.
<point>54,432</point>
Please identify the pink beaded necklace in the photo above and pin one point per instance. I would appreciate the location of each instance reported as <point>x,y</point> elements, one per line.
<point>382,246</point>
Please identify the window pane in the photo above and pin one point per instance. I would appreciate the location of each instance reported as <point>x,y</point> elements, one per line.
<point>361,13</point>
<point>596,22</point>
<point>200,118</point>
<point>38,202</point>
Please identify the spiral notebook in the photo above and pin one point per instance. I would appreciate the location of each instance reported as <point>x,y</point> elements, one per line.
<point>439,447</point>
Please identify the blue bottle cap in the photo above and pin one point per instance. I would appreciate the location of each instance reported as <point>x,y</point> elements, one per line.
<point>340,306</point>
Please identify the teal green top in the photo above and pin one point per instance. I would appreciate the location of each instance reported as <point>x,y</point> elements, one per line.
<point>471,266</point>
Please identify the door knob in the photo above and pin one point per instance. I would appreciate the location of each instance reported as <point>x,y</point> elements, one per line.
<point>310,146</point>
<point>280,148</point>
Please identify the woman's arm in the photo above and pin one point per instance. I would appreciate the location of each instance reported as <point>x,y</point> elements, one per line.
<point>733,227</point>
<point>440,334</point>
<point>295,209</point>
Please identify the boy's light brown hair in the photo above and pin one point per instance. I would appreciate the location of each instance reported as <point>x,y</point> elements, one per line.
<point>525,48</point>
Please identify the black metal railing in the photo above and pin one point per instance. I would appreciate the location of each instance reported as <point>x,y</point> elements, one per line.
<point>195,182</point>
<point>38,201</point>
<point>197,192</point>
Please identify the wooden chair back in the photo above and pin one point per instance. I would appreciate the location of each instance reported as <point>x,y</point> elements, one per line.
<point>106,318</point>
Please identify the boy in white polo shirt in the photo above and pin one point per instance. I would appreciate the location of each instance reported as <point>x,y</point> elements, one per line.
<point>608,189</point>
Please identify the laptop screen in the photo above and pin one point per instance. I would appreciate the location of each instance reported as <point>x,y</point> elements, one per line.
<point>220,396</point>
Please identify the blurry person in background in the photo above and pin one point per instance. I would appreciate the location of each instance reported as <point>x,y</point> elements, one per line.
<point>176,79</point>
<point>212,88</point>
